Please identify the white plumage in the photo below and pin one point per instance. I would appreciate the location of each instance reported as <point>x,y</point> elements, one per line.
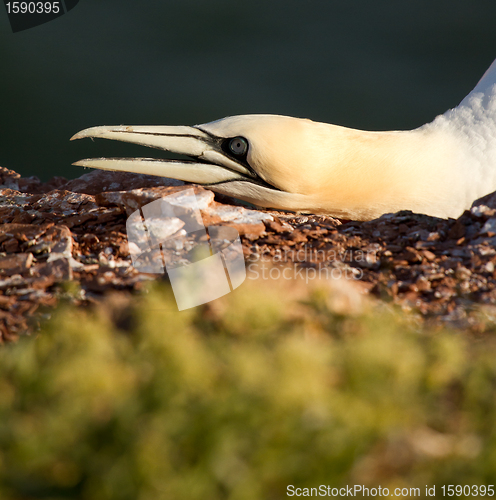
<point>296,164</point>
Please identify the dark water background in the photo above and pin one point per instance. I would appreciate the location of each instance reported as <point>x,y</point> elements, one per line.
<point>382,64</point>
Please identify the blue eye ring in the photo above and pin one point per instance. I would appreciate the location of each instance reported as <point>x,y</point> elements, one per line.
<point>238,146</point>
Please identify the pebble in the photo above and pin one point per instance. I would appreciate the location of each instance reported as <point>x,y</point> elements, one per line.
<point>58,231</point>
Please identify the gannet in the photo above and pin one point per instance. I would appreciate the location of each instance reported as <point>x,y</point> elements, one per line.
<point>300,165</point>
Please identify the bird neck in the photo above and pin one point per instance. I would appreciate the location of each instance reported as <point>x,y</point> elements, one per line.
<point>438,169</point>
<point>370,173</point>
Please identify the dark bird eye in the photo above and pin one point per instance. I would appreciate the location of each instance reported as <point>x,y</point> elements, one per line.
<point>238,146</point>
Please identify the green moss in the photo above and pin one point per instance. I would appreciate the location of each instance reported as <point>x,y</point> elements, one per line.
<point>240,398</point>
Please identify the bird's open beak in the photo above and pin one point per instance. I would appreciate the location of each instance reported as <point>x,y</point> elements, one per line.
<point>211,164</point>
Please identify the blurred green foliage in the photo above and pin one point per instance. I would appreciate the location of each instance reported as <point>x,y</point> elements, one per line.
<point>241,398</point>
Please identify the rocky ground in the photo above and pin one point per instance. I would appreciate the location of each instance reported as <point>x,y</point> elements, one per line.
<point>68,239</point>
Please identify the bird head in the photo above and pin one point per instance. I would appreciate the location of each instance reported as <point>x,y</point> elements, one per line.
<point>262,159</point>
<point>294,164</point>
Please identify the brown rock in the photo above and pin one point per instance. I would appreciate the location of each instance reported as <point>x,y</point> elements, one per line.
<point>136,198</point>
<point>89,239</point>
<point>55,240</point>
<point>410,255</point>
<point>34,185</point>
<point>487,201</point>
<point>7,301</point>
<point>440,267</point>
<point>423,284</point>
<point>13,282</point>
<point>247,229</point>
<point>457,231</point>
<point>62,202</point>
<point>101,181</point>
<point>11,245</point>
<point>16,263</point>
<point>428,254</point>
<point>277,226</point>
<point>21,232</point>
<point>79,219</point>
<point>59,270</point>
<point>9,178</point>
<point>298,237</point>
